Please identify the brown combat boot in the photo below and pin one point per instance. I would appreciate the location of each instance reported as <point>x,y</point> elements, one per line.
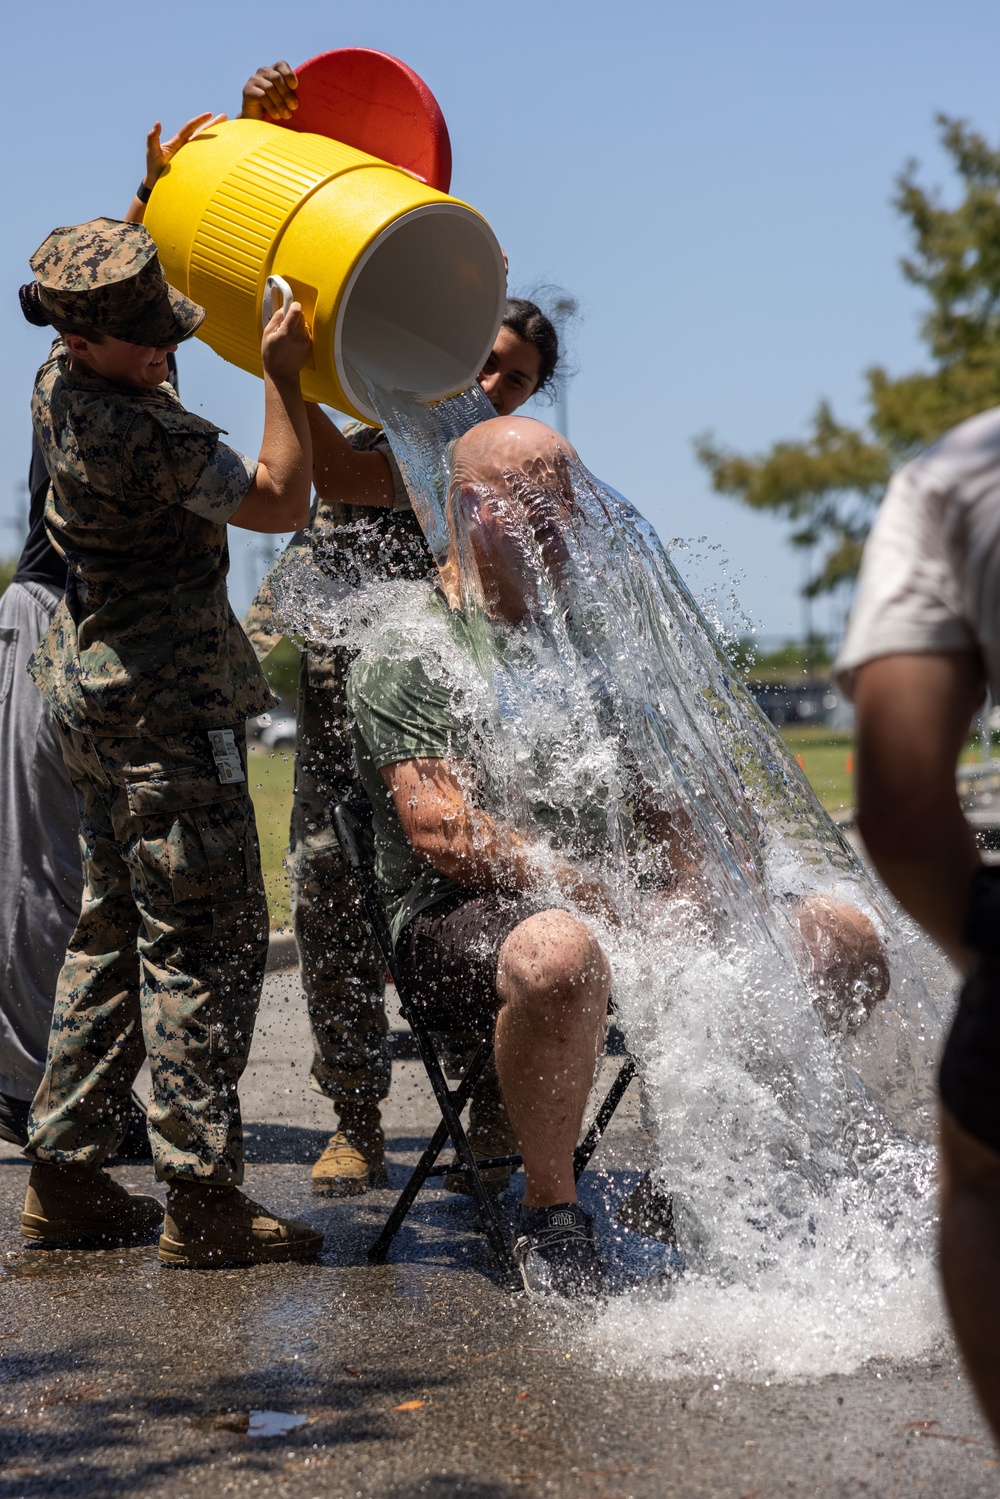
<point>490,1134</point>
<point>208,1225</point>
<point>354,1158</point>
<point>83,1204</point>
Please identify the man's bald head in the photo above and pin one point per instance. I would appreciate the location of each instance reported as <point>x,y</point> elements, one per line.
<point>496,453</point>
<point>509,498</point>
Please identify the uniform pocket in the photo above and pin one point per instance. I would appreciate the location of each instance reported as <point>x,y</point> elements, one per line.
<point>8,657</point>
<point>196,839</point>
<point>170,791</point>
<point>214,854</point>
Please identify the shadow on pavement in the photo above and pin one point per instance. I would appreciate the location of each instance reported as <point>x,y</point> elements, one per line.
<point>282,1144</point>
<point>67,1438</point>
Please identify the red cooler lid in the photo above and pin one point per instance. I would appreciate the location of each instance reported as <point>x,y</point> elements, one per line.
<point>375,103</point>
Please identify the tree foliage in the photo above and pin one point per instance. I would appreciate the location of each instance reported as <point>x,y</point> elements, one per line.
<point>829,485</point>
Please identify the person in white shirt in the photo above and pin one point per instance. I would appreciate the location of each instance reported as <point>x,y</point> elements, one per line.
<point>922,647</point>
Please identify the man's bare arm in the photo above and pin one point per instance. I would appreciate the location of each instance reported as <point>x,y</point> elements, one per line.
<point>278,498</point>
<point>913,714</point>
<point>469,846</point>
<point>671,834</point>
<point>678,872</point>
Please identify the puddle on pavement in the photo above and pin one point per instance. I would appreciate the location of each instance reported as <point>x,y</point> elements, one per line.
<point>273,1423</point>
<point>252,1423</point>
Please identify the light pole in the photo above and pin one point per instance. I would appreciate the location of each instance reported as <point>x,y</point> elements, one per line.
<point>563,309</point>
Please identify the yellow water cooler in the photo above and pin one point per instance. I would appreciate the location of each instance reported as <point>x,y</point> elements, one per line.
<point>398,282</point>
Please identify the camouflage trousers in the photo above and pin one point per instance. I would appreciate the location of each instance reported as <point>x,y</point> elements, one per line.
<point>166,962</point>
<point>343,973</point>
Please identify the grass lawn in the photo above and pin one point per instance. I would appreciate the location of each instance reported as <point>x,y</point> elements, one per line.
<point>827,757</point>
<point>271,779</point>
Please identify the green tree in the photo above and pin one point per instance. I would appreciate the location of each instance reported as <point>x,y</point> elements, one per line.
<point>7,566</point>
<point>830,485</point>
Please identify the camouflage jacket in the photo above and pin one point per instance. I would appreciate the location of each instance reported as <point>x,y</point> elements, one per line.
<point>145,641</point>
<point>398,525</point>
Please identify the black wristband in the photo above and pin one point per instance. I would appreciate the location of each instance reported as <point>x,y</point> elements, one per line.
<point>143,193</point>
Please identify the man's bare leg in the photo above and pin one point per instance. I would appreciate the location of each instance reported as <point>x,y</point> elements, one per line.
<point>553,982</point>
<point>970,1256</point>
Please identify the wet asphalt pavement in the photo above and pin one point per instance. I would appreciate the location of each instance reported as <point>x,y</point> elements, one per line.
<point>421,1377</point>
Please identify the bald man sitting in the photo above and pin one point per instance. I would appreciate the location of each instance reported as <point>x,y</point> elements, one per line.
<point>465,889</point>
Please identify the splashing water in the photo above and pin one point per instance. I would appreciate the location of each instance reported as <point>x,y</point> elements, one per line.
<point>795,1141</point>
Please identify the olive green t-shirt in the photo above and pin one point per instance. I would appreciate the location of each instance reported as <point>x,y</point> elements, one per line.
<point>423,696</point>
<point>399,712</point>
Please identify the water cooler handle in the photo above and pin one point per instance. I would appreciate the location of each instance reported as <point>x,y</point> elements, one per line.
<point>274,284</point>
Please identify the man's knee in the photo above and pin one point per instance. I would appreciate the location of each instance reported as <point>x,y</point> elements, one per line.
<point>552,956</point>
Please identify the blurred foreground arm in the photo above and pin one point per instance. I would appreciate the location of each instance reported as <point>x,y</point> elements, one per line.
<point>913,715</point>
<point>278,498</point>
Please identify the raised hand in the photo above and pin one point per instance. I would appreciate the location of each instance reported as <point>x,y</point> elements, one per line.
<point>270,93</point>
<point>159,153</point>
<point>286,344</point>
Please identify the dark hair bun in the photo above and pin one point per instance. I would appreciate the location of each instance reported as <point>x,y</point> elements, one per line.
<point>529,322</point>
<point>31,305</point>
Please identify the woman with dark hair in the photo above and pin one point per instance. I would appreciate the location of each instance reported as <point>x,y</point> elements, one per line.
<point>523,359</point>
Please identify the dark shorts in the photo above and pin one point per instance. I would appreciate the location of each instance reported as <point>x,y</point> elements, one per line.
<point>969,1079</point>
<point>449,954</point>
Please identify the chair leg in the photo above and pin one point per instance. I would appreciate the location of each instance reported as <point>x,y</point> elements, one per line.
<point>591,1140</point>
<point>379,1250</point>
<point>451,1105</point>
<point>488,1217</point>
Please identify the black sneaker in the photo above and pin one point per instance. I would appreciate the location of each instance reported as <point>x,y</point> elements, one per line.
<point>14,1119</point>
<point>556,1253</point>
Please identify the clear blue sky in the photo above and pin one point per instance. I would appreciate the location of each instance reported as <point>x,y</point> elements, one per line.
<point>712,183</point>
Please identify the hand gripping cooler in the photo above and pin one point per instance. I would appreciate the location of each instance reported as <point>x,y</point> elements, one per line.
<point>397,281</point>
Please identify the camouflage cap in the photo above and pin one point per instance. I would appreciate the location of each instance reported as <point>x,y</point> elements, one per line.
<point>105,275</point>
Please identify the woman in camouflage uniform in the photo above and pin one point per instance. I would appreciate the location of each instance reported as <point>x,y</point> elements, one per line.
<point>41,882</point>
<point>151,680</point>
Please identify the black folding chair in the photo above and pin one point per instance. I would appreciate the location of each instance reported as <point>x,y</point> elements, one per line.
<point>352,821</point>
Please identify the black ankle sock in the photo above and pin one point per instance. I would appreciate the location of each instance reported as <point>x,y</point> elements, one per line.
<point>535,1218</point>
